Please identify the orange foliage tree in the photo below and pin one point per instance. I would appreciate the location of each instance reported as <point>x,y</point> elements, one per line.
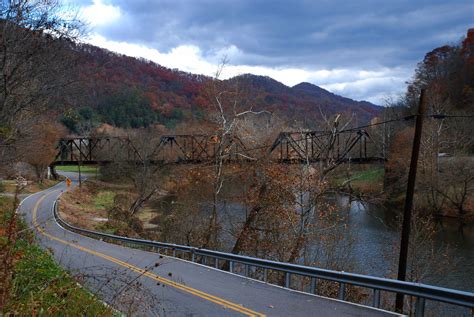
<point>40,146</point>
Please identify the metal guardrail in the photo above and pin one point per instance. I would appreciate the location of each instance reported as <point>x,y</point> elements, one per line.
<point>422,292</point>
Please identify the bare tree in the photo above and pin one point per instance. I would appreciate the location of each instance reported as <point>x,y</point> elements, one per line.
<point>36,40</point>
<point>144,170</point>
<point>456,187</point>
<point>230,107</point>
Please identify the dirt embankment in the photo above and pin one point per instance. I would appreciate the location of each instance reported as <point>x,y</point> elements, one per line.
<point>102,206</point>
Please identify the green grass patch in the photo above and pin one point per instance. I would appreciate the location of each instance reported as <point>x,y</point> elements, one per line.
<point>36,284</point>
<point>75,168</point>
<point>108,227</point>
<point>370,175</point>
<point>41,287</point>
<point>364,179</point>
<point>104,200</point>
<point>6,203</point>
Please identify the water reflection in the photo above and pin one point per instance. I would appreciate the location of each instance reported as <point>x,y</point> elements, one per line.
<point>375,233</point>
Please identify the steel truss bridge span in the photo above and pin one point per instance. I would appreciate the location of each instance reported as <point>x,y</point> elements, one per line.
<point>355,146</point>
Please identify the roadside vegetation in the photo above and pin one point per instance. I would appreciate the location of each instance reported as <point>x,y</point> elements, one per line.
<point>8,187</point>
<point>31,282</point>
<point>94,206</point>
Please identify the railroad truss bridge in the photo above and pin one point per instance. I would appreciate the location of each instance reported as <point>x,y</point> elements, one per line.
<point>352,145</point>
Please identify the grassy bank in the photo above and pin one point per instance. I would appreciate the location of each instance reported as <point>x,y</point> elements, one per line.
<point>75,168</point>
<point>363,179</point>
<point>31,282</point>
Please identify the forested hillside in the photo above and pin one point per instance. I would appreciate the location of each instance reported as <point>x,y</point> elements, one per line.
<point>447,72</point>
<point>128,92</point>
<point>446,168</point>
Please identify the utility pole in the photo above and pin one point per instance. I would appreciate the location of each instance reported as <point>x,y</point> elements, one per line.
<point>402,263</point>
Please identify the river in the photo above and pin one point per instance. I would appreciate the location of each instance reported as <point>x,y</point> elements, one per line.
<point>375,235</point>
<point>447,259</point>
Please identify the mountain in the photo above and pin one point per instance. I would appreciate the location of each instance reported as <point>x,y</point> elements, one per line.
<point>364,108</point>
<point>131,92</point>
<point>304,101</point>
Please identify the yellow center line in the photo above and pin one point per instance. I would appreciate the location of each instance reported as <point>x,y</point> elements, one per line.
<point>193,291</point>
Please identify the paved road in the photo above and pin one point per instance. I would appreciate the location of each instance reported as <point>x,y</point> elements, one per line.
<point>145,283</point>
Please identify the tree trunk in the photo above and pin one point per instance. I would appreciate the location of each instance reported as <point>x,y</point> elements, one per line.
<point>244,233</point>
<point>138,203</point>
<point>295,252</point>
<point>210,240</point>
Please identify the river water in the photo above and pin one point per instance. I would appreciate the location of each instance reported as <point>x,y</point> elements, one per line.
<point>450,255</point>
<point>374,235</point>
<point>447,259</point>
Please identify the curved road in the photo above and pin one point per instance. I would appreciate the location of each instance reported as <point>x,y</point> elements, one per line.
<point>144,283</point>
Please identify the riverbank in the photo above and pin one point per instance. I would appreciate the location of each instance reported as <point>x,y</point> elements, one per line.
<point>364,180</point>
<point>92,207</point>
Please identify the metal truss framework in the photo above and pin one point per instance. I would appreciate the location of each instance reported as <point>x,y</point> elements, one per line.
<point>289,147</point>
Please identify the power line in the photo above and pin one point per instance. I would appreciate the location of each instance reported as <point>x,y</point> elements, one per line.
<point>410,117</point>
<point>447,116</point>
<point>404,118</point>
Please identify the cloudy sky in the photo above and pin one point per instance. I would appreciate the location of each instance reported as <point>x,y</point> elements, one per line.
<point>362,49</point>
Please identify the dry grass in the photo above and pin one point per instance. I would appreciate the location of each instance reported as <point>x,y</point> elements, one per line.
<point>82,206</point>
<point>85,207</point>
<point>9,186</point>
<point>146,216</point>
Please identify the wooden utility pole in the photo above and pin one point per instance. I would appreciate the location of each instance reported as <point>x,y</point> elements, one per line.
<point>402,263</point>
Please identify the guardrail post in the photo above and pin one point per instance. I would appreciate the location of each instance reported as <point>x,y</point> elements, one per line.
<point>312,288</point>
<point>193,257</point>
<point>217,263</point>
<point>231,266</point>
<point>420,307</point>
<point>287,279</point>
<point>376,302</point>
<point>174,253</point>
<point>247,270</point>
<point>204,260</point>
<point>265,275</point>
<point>342,290</point>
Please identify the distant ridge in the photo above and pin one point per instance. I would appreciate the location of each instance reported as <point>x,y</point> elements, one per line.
<point>306,99</point>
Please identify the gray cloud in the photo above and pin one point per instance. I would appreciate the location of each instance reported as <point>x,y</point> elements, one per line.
<point>297,33</point>
<point>330,34</point>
